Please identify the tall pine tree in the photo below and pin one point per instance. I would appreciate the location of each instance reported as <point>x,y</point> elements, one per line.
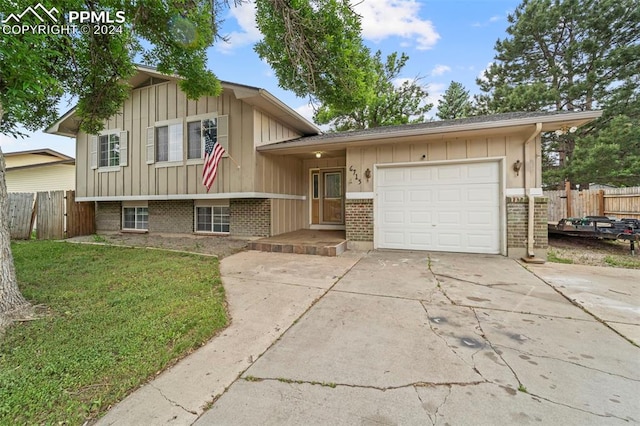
<point>567,55</point>
<point>455,102</point>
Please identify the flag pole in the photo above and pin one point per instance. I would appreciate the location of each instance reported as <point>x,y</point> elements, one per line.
<point>234,161</point>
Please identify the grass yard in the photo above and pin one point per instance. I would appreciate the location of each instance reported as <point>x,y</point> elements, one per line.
<point>115,318</point>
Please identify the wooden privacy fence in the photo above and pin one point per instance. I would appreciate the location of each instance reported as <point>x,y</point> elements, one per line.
<point>613,202</point>
<point>57,215</point>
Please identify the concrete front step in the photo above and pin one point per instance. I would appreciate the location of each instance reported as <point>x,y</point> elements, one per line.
<point>299,248</point>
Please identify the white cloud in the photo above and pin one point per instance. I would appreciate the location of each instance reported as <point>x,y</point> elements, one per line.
<point>306,111</point>
<point>245,16</point>
<point>481,74</point>
<point>440,70</point>
<point>387,18</point>
<point>488,22</point>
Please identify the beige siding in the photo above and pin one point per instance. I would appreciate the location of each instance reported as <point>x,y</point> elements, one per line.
<point>287,216</point>
<point>150,105</point>
<point>268,130</point>
<point>511,147</point>
<point>42,178</point>
<point>279,174</point>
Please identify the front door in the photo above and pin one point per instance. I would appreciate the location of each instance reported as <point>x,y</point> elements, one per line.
<point>327,197</point>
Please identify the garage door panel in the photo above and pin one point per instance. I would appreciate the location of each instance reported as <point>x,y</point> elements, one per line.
<point>393,196</point>
<point>392,176</point>
<point>444,195</point>
<point>451,207</point>
<point>487,172</point>
<point>392,218</point>
<point>420,218</point>
<point>417,196</point>
<point>449,217</point>
<point>420,175</point>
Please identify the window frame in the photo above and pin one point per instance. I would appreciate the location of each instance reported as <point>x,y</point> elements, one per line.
<point>202,117</point>
<point>176,124</point>
<point>95,145</point>
<point>136,213</point>
<point>213,216</point>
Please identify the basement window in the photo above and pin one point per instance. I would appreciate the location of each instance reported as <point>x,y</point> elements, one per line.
<point>212,219</point>
<point>135,218</point>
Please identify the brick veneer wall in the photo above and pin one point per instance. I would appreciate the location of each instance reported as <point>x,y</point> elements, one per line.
<point>108,216</point>
<point>171,216</point>
<point>517,217</point>
<point>250,217</point>
<point>359,219</point>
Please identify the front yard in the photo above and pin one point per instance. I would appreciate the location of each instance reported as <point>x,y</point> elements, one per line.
<point>113,317</point>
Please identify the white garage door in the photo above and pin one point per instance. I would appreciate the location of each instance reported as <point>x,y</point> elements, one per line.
<point>447,207</point>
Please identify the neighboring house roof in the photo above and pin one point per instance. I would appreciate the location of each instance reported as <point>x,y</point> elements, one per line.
<point>550,121</point>
<point>35,158</point>
<point>68,124</point>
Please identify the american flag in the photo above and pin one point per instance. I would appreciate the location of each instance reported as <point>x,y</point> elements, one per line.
<point>213,152</point>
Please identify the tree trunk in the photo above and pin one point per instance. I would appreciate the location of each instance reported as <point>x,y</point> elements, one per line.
<point>10,297</point>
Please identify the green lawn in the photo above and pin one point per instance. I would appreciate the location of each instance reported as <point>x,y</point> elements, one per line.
<point>116,317</point>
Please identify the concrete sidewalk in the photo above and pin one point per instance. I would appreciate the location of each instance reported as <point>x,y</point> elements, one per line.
<point>266,293</point>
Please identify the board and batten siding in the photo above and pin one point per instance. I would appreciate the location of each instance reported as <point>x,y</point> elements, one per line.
<point>41,178</point>
<point>509,146</point>
<point>160,103</point>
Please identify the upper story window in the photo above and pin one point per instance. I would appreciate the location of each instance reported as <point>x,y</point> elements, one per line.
<point>172,141</point>
<point>169,142</point>
<point>197,132</point>
<point>109,150</point>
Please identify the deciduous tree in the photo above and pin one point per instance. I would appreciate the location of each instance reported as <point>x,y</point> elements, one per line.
<point>387,101</point>
<point>320,39</point>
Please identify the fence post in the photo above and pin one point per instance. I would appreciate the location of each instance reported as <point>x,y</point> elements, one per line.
<point>567,189</point>
<point>601,202</point>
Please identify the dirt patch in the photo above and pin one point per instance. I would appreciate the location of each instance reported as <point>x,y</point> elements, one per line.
<point>220,246</point>
<point>592,251</point>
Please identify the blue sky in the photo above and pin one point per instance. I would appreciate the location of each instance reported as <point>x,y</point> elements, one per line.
<point>446,40</point>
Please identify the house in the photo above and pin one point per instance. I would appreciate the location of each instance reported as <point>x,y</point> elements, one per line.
<point>39,170</point>
<point>448,185</point>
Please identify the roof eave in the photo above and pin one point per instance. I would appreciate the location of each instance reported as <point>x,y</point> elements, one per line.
<point>550,123</point>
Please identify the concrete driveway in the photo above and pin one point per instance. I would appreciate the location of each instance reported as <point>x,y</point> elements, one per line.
<point>417,338</point>
<point>407,338</point>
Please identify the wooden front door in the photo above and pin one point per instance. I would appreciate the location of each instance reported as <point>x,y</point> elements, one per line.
<point>327,197</point>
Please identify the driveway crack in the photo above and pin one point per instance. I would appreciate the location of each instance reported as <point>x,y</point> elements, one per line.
<point>577,364</point>
<point>493,348</point>
<point>606,416</point>
<point>174,403</point>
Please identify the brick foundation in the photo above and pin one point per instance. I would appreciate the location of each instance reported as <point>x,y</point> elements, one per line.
<point>517,230</point>
<point>108,216</point>
<point>171,216</point>
<point>250,217</point>
<point>359,219</point>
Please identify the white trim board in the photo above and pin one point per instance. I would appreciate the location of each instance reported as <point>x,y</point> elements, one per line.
<point>173,197</point>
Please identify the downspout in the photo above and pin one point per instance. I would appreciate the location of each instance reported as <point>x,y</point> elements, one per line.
<point>529,174</point>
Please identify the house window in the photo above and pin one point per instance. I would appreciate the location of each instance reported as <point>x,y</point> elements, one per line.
<point>109,149</point>
<point>169,142</point>
<point>212,219</point>
<point>198,131</point>
<point>135,218</point>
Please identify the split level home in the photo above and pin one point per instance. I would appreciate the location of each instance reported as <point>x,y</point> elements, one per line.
<point>39,170</point>
<point>457,185</point>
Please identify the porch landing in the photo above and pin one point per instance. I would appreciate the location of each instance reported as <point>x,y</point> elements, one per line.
<point>304,241</point>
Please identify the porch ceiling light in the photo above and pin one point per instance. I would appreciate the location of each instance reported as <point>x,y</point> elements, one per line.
<point>318,154</point>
